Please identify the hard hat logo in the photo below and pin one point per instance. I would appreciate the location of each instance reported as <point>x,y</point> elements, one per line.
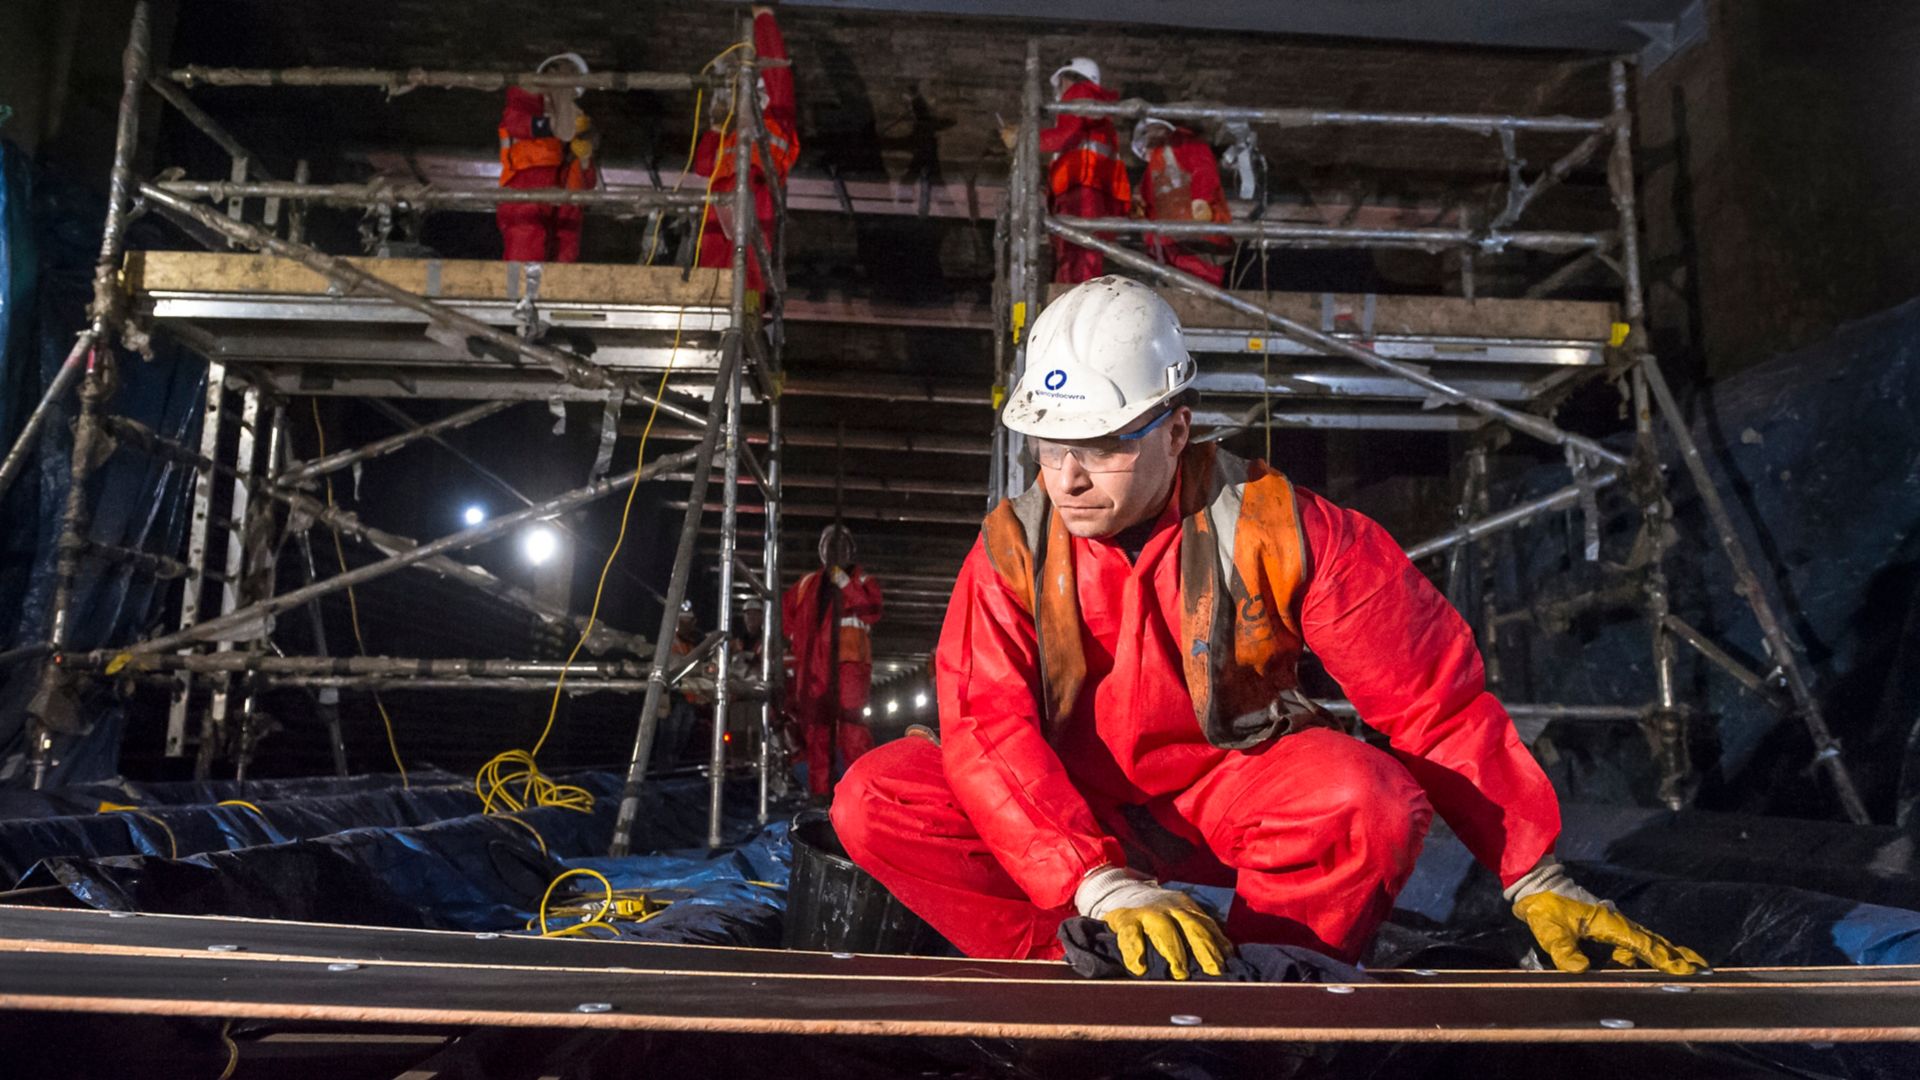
<point>1119,345</point>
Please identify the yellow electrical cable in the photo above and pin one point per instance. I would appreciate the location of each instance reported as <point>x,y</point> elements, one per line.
<point>245,803</point>
<point>173,842</point>
<point>577,927</point>
<point>353,604</point>
<point>497,777</point>
<point>538,789</point>
<point>233,1051</point>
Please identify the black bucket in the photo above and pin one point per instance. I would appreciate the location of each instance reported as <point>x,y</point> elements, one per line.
<point>834,906</point>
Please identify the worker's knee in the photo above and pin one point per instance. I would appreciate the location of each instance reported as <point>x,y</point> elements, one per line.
<point>875,791</point>
<point>1335,794</point>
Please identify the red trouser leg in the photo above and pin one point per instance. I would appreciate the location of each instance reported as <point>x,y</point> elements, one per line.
<point>566,233</point>
<point>856,740</point>
<point>1321,830</point>
<point>1182,258</point>
<point>525,231</point>
<point>1073,265</point>
<point>819,765</point>
<point>896,816</point>
<point>716,247</point>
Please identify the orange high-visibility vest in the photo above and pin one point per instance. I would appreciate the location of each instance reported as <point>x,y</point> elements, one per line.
<point>781,139</point>
<point>517,155</point>
<point>1243,574</point>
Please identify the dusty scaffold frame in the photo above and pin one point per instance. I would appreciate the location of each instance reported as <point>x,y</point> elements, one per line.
<point>272,503</point>
<point>1027,226</point>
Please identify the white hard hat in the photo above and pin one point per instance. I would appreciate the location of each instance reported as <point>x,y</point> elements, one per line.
<point>1142,129</point>
<point>579,62</point>
<point>1083,66</point>
<point>828,536</point>
<point>1104,355</point>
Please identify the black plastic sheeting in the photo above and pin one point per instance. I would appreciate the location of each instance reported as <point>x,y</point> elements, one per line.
<point>425,858</point>
<point>46,270</point>
<point>1819,446</point>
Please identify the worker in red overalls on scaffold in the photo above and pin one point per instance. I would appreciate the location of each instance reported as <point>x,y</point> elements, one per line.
<point>829,617</point>
<point>545,142</point>
<point>1085,178</point>
<point>714,155</point>
<point>1181,183</point>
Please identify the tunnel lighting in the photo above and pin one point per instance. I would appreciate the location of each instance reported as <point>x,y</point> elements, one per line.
<point>920,700</point>
<point>474,515</point>
<point>868,711</point>
<point>893,707</point>
<point>540,544</point>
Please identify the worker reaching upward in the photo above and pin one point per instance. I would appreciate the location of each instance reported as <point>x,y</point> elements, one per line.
<point>546,141</point>
<point>829,617</point>
<point>1119,700</point>
<point>1085,177</point>
<point>1181,183</point>
<point>714,155</point>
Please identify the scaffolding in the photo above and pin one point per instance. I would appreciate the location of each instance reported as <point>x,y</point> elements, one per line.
<point>1338,375</point>
<point>362,337</point>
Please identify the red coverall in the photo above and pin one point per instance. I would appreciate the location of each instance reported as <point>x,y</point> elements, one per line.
<point>807,612</point>
<point>537,232</point>
<point>1087,178</point>
<point>988,834</point>
<point>1181,172</point>
<point>782,119</point>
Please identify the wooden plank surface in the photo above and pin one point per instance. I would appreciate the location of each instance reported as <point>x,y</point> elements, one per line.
<point>449,279</point>
<point>1409,316</point>
<point>157,966</point>
<point>66,929</point>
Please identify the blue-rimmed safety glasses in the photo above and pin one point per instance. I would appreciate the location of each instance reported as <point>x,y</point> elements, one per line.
<point>1115,453</point>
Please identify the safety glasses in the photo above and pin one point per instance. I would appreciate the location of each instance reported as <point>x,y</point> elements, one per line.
<point>1115,453</point>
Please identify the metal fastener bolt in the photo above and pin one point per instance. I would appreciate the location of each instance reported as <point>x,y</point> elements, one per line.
<point>594,1007</point>
<point>1676,988</point>
<point>343,966</point>
<point>1339,988</point>
<point>223,948</point>
<point>120,914</point>
<point>1184,1020</point>
<point>1425,971</point>
<point>1616,1023</point>
<point>487,935</point>
<point>843,956</point>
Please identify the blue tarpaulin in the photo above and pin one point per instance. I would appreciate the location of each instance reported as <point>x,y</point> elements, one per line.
<point>139,503</point>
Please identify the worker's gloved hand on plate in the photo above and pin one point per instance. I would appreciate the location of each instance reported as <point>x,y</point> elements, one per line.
<point>1142,912</point>
<point>838,577</point>
<point>1561,915</point>
<point>1009,135</point>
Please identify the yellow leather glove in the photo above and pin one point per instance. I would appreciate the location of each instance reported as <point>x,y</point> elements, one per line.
<point>1561,915</point>
<point>1141,912</point>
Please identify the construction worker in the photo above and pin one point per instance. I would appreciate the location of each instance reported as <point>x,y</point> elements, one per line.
<point>829,617</point>
<point>1086,177</point>
<point>1181,183</point>
<point>1119,701</point>
<point>714,155</point>
<point>545,142</point>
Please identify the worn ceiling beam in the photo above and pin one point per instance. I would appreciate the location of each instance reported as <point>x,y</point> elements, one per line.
<point>899,441</point>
